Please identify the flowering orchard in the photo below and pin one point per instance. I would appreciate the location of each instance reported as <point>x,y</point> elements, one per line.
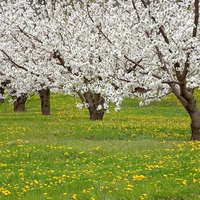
<point>104,51</point>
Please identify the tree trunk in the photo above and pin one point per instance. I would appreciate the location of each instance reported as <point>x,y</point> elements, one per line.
<point>187,99</point>
<point>191,108</point>
<point>95,102</point>
<point>19,103</point>
<point>1,95</point>
<point>195,127</point>
<point>95,114</point>
<point>45,101</point>
<point>195,119</point>
<point>2,89</point>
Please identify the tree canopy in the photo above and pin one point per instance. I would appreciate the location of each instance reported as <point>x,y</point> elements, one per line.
<point>114,48</point>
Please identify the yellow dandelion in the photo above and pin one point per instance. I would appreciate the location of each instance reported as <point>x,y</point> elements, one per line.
<point>184,182</point>
<point>6,192</point>
<point>35,181</point>
<point>74,196</point>
<point>194,180</point>
<point>128,189</point>
<point>84,191</point>
<point>138,177</point>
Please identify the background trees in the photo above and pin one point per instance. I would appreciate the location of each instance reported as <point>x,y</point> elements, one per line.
<point>24,63</point>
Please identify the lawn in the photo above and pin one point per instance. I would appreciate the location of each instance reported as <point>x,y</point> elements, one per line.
<point>135,154</point>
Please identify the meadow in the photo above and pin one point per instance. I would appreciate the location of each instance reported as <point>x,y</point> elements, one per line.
<point>138,153</point>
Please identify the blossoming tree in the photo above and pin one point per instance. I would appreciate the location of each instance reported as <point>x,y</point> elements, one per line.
<point>79,49</point>
<point>23,64</point>
<point>51,45</point>
<point>156,46</point>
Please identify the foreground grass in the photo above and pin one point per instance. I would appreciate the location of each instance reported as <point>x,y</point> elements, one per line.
<point>138,153</point>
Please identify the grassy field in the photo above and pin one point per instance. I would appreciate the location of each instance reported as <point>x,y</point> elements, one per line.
<point>138,153</point>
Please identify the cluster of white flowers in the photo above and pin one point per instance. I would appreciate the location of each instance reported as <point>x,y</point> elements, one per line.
<point>116,48</point>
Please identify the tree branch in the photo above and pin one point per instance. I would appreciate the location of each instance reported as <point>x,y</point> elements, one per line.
<point>133,68</point>
<point>13,62</point>
<point>160,56</point>
<point>170,82</point>
<point>98,27</point>
<point>196,18</point>
<point>141,66</point>
<point>187,65</point>
<point>161,28</point>
<point>81,96</point>
<point>56,54</point>
<point>177,94</point>
<point>144,3</point>
<point>184,92</point>
<point>121,79</point>
<point>134,62</point>
<point>29,35</point>
<point>17,65</point>
<point>135,8</point>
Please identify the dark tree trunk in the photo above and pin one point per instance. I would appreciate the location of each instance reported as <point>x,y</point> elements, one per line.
<point>45,101</point>
<point>94,101</point>
<point>186,97</point>
<point>195,127</point>
<point>195,119</point>
<point>96,114</point>
<point>19,103</point>
<point>1,95</point>
<point>2,89</point>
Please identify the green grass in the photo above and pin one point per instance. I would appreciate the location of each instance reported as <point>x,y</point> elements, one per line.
<point>138,153</point>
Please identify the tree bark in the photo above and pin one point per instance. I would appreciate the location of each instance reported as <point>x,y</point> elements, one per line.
<point>45,101</point>
<point>2,89</point>
<point>195,119</point>
<point>96,114</point>
<point>94,101</point>
<point>187,99</point>
<point>19,103</point>
<point>189,103</point>
<point>1,95</point>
